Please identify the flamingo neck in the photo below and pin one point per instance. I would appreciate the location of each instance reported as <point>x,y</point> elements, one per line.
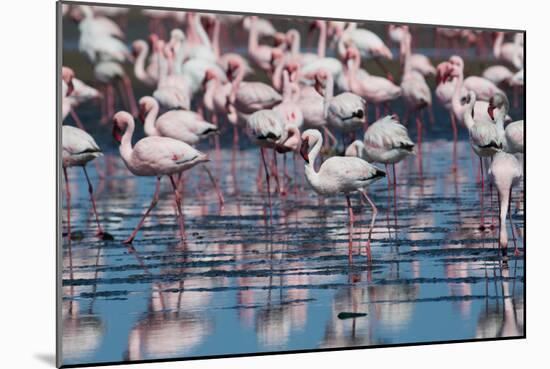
<point>150,120</point>
<point>139,65</point>
<point>352,73</point>
<point>295,47</point>
<point>276,76</point>
<point>199,29</point>
<point>329,93</point>
<point>252,35</point>
<point>237,82</point>
<point>311,174</point>
<point>497,46</point>
<point>321,47</point>
<point>190,30</point>
<point>125,147</point>
<point>455,101</point>
<point>216,39</point>
<point>287,88</point>
<point>208,98</point>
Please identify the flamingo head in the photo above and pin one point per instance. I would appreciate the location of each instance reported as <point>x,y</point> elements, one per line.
<point>457,61</point>
<point>320,77</point>
<point>233,65</point>
<point>152,39</point>
<point>137,47</point>
<point>292,69</point>
<point>351,52</point>
<point>469,100</point>
<point>443,72</point>
<point>146,103</point>
<point>304,148</point>
<point>315,24</point>
<point>279,38</point>
<point>497,101</point>
<point>120,122</point>
<point>67,75</point>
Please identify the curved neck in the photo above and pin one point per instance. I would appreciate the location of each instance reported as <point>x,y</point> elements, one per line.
<point>455,101</point>
<point>139,65</point>
<point>277,76</point>
<point>208,97</point>
<point>287,88</point>
<point>150,119</point>
<point>497,46</point>
<point>252,35</point>
<point>125,147</point>
<point>201,33</point>
<point>352,72</point>
<point>321,47</point>
<point>329,93</point>
<point>237,82</point>
<point>163,68</point>
<point>311,175</point>
<point>216,39</point>
<point>295,47</point>
<point>467,116</point>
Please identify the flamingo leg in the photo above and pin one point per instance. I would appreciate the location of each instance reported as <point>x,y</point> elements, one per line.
<point>331,136</point>
<point>214,118</point>
<point>455,141</point>
<point>215,185</point>
<point>154,202</point>
<point>77,120</point>
<point>351,221</point>
<point>276,172</point>
<point>130,95</point>
<point>235,136</point>
<point>389,201</point>
<point>394,196</point>
<point>110,101</point>
<point>68,194</point>
<point>374,213</point>
<point>482,225</point>
<point>419,142</point>
<point>516,250</point>
<point>262,150</point>
<point>177,197</point>
<point>100,233</point>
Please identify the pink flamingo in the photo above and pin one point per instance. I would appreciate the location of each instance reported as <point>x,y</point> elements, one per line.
<point>368,44</point>
<point>340,175</point>
<point>418,62</point>
<point>387,141</point>
<point>485,139</point>
<point>509,52</point>
<point>248,97</point>
<point>444,92</point>
<point>377,90</point>
<point>216,100</point>
<point>504,173</point>
<point>288,108</point>
<point>148,75</point>
<point>154,156</point>
<point>182,125</point>
<point>483,88</point>
<point>259,54</point>
<point>417,95</point>
<point>78,148</point>
<point>108,73</point>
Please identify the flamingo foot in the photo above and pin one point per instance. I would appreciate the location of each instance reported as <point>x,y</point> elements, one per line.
<point>128,241</point>
<point>517,252</point>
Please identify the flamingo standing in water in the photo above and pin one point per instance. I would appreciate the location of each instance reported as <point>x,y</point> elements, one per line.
<point>78,148</point>
<point>504,173</point>
<point>386,141</point>
<point>374,89</point>
<point>417,94</point>
<point>154,156</point>
<point>267,130</point>
<point>485,139</point>
<point>183,125</point>
<point>483,88</point>
<point>512,135</point>
<point>340,175</point>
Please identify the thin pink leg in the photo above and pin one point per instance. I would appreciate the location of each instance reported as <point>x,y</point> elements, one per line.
<point>77,120</point>
<point>516,250</point>
<point>130,94</point>
<point>262,151</point>
<point>419,143</point>
<point>100,233</point>
<point>110,101</point>
<point>351,221</point>
<point>140,224</point>
<point>389,200</point>
<point>374,213</point>
<point>68,192</point>
<point>482,225</point>
<point>235,136</point>
<point>394,196</point>
<point>177,198</point>
<point>216,187</point>
<point>455,141</point>
<point>276,172</point>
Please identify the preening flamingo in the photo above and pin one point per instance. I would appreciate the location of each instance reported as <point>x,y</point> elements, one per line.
<point>504,173</point>
<point>512,136</point>
<point>340,175</point>
<point>154,156</point>
<point>79,148</point>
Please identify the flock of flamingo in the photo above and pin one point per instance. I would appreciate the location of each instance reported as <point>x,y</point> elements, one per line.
<point>286,100</point>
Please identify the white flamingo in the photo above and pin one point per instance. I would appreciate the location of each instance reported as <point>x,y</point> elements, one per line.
<point>340,175</point>
<point>154,156</point>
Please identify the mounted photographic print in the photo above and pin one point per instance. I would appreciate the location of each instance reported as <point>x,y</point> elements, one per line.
<point>238,184</point>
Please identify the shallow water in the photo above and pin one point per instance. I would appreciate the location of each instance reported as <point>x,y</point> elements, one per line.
<point>242,283</point>
<point>239,285</point>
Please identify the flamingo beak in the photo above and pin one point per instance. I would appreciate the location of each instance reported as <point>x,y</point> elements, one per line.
<point>70,88</point>
<point>304,149</point>
<point>490,111</point>
<point>117,132</point>
<point>141,115</point>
